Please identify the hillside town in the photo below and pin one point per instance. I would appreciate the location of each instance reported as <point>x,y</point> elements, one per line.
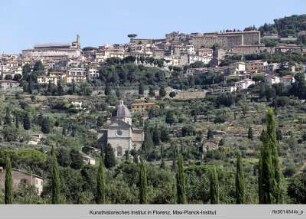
<point>68,62</point>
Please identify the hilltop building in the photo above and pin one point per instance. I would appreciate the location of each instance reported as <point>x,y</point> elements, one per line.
<point>54,50</point>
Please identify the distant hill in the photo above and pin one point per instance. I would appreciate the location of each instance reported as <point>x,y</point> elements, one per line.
<point>287,26</point>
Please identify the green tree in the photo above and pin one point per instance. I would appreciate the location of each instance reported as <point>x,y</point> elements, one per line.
<point>45,125</point>
<point>170,117</point>
<point>297,189</point>
<point>270,177</point>
<point>107,90</point>
<point>156,136</point>
<point>148,143</point>
<point>250,133</point>
<point>210,134</point>
<point>162,91</point>
<point>151,91</point>
<point>55,180</point>
<point>143,199</point>
<point>240,184</point>
<point>26,122</point>
<point>214,187</point>
<point>7,118</point>
<point>101,187</point>
<point>38,67</point>
<point>109,156</point>
<point>76,159</point>
<point>180,182</point>
<point>141,89</point>
<point>8,196</point>
<point>16,121</point>
<point>60,88</point>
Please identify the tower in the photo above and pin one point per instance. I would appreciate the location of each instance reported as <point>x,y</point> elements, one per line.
<point>78,41</point>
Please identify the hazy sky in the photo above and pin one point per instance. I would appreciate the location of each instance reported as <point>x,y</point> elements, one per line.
<point>27,22</point>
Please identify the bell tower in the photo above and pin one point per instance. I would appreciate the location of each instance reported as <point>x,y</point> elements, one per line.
<point>78,41</point>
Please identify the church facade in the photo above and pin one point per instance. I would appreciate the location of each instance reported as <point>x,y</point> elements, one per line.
<point>121,135</point>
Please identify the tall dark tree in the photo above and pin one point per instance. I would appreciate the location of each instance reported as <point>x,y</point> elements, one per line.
<point>270,178</point>
<point>214,187</point>
<point>60,88</point>
<point>250,133</point>
<point>38,67</point>
<point>8,196</point>
<point>143,181</point>
<point>174,158</point>
<point>162,91</point>
<point>45,125</point>
<point>156,136</point>
<point>55,180</point>
<point>107,90</point>
<point>7,118</point>
<point>147,144</point>
<point>151,91</point>
<point>26,70</point>
<point>16,121</point>
<point>26,122</point>
<point>30,86</point>
<point>180,182</point>
<point>141,89</point>
<point>240,183</point>
<point>73,87</point>
<point>101,187</point>
<point>109,156</point>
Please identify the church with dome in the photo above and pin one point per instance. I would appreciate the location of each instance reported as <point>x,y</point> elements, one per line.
<point>121,135</point>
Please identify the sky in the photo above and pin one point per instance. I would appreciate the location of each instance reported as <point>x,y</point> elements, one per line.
<point>24,23</point>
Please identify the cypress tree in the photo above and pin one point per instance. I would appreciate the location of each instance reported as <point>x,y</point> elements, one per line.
<point>26,122</point>
<point>16,121</point>
<point>100,199</point>
<point>7,118</point>
<point>8,196</point>
<point>270,178</point>
<point>109,158</point>
<point>55,179</point>
<point>141,89</point>
<point>151,92</point>
<point>240,184</point>
<point>180,182</point>
<point>45,125</point>
<point>148,143</point>
<point>250,133</point>
<point>174,164</point>
<point>162,91</point>
<point>143,183</point>
<point>214,187</point>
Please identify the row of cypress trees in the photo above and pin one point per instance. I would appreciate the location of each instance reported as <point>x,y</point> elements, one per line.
<point>270,178</point>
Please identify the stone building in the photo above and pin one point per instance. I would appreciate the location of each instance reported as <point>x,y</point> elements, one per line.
<point>20,177</point>
<point>121,134</point>
<point>53,50</point>
<point>226,40</point>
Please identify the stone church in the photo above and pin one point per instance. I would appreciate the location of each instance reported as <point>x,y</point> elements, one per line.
<point>121,134</point>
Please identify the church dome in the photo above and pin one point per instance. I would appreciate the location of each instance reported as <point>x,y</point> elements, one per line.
<point>123,111</point>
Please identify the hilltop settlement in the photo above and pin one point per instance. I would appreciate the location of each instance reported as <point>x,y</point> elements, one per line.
<point>214,117</point>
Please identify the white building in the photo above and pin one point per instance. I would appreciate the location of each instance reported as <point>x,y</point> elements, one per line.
<point>92,74</point>
<point>244,84</point>
<point>121,135</point>
<point>271,79</point>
